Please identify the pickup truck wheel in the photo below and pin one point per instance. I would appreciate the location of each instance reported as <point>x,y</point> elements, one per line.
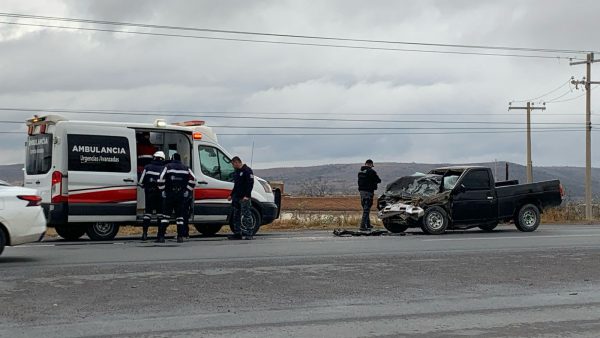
<point>2,241</point>
<point>70,232</point>
<point>256,220</point>
<point>102,231</point>
<point>488,227</point>
<point>208,229</point>
<point>435,221</point>
<point>528,218</point>
<point>394,226</point>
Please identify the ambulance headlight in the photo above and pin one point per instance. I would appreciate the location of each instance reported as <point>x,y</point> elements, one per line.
<point>266,186</point>
<point>160,123</point>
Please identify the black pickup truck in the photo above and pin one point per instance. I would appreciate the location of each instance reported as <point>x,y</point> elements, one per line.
<point>454,198</point>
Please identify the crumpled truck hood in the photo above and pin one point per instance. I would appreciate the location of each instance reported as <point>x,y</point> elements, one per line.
<point>408,196</point>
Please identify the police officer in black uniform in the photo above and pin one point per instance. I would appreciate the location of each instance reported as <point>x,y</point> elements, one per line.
<point>177,182</point>
<point>367,184</point>
<point>241,201</point>
<point>149,181</point>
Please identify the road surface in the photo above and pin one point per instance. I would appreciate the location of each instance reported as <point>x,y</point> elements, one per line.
<point>308,284</point>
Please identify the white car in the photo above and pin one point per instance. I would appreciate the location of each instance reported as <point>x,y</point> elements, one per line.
<point>21,216</point>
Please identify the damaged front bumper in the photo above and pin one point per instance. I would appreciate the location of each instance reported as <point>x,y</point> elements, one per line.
<point>403,210</point>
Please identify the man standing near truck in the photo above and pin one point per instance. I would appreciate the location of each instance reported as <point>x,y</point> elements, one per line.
<point>150,181</point>
<point>241,195</point>
<point>177,182</point>
<point>367,184</point>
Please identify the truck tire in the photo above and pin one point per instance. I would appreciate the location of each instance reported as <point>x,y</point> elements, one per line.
<point>256,219</point>
<point>435,221</point>
<point>208,229</point>
<point>70,232</point>
<point>102,231</point>
<point>394,227</point>
<point>2,241</point>
<point>528,218</point>
<point>488,227</point>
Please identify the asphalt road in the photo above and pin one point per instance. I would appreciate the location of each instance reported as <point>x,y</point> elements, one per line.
<point>309,284</point>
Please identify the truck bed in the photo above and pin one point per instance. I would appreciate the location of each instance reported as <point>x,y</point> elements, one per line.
<point>543,194</point>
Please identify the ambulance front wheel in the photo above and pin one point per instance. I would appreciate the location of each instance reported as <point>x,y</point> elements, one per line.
<point>256,220</point>
<point>102,231</point>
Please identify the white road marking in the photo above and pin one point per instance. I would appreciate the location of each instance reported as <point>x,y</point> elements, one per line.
<point>508,237</point>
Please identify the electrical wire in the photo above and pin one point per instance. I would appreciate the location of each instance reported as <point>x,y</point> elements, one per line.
<point>543,95</point>
<point>196,113</point>
<point>573,98</point>
<point>270,118</point>
<point>384,128</point>
<point>295,43</point>
<point>280,35</point>
<point>399,133</point>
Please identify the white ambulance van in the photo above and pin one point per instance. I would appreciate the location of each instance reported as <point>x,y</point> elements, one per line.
<point>87,173</point>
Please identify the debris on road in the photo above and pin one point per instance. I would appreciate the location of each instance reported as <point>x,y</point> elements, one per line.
<point>348,233</point>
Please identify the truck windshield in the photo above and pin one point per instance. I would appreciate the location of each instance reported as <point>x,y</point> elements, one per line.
<point>38,158</point>
<point>416,185</point>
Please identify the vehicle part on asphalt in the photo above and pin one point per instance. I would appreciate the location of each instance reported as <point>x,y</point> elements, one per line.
<point>347,233</point>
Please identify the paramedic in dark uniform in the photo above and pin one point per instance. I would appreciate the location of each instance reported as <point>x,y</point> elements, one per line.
<point>243,182</point>
<point>149,181</point>
<point>178,182</point>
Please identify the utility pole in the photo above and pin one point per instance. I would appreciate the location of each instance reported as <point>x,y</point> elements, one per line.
<point>587,82</point>
<point>529,108</point>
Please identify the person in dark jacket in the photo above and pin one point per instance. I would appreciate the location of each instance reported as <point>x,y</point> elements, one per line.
<point>177,183</point>
<point>149,181</point>
<point>241,195</point>
<point>367,184</point>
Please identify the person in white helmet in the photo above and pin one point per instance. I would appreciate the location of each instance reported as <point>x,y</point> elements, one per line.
<point>150,182</point>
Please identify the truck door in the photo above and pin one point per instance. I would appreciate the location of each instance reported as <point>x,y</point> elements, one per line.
<point>102,176</point>
<point>214,174</point>
<point>474,199</point>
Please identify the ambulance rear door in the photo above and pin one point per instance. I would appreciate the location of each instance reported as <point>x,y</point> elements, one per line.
<point>102,175</point>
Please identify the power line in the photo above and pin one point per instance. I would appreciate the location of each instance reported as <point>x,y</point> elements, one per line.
<point>545,94</point>
<point>573,98</point>
<point>295,36</point>
<point>293,43</point>
<point>392,133</point>
<point>560,96</point>
<point>384,128</point>
<point>269,118</point>
<point>196,113</point>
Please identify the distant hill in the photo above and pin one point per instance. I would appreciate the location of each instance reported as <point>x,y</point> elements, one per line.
<point>340,179</point>
<point>12,173</point>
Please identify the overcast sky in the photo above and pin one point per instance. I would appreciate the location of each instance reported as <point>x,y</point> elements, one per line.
<point>51,68</point>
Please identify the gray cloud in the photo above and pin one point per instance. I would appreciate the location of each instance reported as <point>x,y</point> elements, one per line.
<point>75,69</point>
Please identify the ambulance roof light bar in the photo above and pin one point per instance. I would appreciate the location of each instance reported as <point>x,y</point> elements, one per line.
<point>160,123</point>
<point>45,119</point>
<point>192,123</point>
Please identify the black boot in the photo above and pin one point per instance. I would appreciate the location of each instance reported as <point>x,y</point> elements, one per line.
<point>179,239</point>
<point>145,235</point>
